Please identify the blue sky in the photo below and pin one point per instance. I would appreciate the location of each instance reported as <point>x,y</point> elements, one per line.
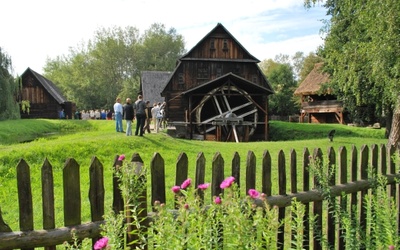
<point>32,31</point>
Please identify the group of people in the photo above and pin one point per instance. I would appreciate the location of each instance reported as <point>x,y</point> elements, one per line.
<point>142,112</point>
<point>93,115</point>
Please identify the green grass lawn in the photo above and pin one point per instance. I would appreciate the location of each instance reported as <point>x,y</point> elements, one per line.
<point>58,140</point>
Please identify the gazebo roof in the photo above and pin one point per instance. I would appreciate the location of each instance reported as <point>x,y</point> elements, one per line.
<point>312,83</point>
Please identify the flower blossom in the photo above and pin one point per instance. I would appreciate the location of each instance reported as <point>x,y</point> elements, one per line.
<point>101,243</point>
<point>203,186</point>
<point>186,183</point>
<point>391,247</point>
<point>176,189</point>
<point>253,193</point>
<point>217,200</point>
<point>121,157</point>
<point>227,182</point>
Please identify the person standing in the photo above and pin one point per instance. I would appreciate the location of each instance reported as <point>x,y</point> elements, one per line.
<point>118,109</point>
<point>153,114</point>
<point>158,116</point>
<point>140,107</point>
<point>148,117</point>
<point>128,115</point>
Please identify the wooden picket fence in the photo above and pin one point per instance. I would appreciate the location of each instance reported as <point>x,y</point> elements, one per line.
<point>352,179</point>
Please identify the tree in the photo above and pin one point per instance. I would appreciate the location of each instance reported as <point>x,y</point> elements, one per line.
<point>110,64</point>
<point>282,81</point>
<point>160,48</point>
<point>9,108</point>
<point>362,54</point>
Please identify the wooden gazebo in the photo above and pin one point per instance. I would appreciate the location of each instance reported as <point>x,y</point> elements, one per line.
<point>319,103</point>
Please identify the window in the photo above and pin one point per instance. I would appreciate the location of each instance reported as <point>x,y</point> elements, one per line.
<point>202,73</point>
<point>255,79</point>
<point>225,48</point>
<point>219,72</point>
<point>181,81</point>
<point>212,44</point>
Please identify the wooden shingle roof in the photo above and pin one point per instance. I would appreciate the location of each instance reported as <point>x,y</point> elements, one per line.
<point>153,83</point>
<point>312,83</point>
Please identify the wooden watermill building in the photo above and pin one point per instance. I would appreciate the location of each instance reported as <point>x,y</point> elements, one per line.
<point>317,102</point>
<point>218,92</point>
<point>45,99</point>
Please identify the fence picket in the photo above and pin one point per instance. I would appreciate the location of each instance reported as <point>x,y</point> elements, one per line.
<point>317,206</point>
<point>72,193</point>
<point>306,187</point>
<point>293,184</point>
<point>354,172</point>
<point>157,170</point>
<point>96,191</point>
<point>282,191</point>
<point>266,174</point>
<point>48,198</point>
<point>250,171</point>
<point>331,225</point>
<point>118,201</point>
<point>200,174</point>
<point>363,169</point>
<point>236,167</point>
<point>342,200</point>
<point>181,173</point>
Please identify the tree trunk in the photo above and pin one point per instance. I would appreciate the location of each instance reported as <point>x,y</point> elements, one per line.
<point>394,136</point>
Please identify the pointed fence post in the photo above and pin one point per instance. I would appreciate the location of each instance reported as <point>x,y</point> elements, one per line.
<point>48,198</point>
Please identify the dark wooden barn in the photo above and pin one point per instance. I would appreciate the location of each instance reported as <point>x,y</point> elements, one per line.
<point>318,103</point>
<point>45,99</point>
<point>218,92</point>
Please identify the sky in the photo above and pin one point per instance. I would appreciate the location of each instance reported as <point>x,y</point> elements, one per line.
<point>34,31</point>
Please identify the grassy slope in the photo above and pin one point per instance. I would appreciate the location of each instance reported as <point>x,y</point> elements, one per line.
<point>58,140</point>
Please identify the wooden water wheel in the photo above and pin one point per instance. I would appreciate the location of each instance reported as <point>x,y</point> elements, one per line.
<point>226,102</point>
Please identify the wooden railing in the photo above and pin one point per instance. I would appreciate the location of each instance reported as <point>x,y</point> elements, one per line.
<point>352,178</point>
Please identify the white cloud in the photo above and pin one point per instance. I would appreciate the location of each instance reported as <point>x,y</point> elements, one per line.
<point>35,30</point>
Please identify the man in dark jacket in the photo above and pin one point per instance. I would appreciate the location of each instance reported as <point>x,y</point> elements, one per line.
<point>140,107</point>
<point>128,115</point>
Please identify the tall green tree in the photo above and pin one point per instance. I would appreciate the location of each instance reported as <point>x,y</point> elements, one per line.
<point>160,48</point>
<point>282,80</point>
<point>9,108</point>
<point>362,54</point>
<point>110,64</point>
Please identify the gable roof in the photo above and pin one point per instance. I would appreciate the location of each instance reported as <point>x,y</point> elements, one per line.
<point>218,28</point>
<point>312,83</point>
<point>153,83</point>
<point>228,78</point>
<point>51,88</point>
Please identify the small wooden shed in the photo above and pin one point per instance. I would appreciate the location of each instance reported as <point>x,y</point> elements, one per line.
<point>318,103</point>
<point>45,98</point>
<point>218,92</point>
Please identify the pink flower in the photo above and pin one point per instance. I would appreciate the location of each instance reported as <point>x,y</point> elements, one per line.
<point>186,183</point>
<point>101,243</point>
<point>186,206</point>
<point>391,247</point>
<point>217,200</point>
<point>227,182</point>
<point>204,186</point>
<point>121,157</point>
<point>253,193</point>
<point>176,189</point>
